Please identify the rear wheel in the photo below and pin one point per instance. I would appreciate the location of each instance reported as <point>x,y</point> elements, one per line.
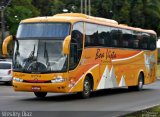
<point>140,84</point>
<point>40,94</point>
<point>86,88</point>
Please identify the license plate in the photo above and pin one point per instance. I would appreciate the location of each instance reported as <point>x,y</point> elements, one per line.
<point>34,88</point>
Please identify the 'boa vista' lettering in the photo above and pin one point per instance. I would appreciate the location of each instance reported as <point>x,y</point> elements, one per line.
<point>109,54</point>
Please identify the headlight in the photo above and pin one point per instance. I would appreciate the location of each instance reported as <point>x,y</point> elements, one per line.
<point>18,79</point>
<point>58,79</point>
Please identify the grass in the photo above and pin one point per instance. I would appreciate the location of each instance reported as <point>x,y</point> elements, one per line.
<point>151,112</point>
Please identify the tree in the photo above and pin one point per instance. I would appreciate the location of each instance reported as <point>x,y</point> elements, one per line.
<point>137,18</point>
<point>137,13</point>
<point>17,11</point>
<point>44,6</point>
<point>151,11</point>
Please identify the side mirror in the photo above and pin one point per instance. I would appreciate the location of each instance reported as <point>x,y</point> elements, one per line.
<point>6,41</point>
<point>66,44</point>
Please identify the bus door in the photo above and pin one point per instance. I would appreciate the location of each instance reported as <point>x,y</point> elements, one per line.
<point>76,46</point>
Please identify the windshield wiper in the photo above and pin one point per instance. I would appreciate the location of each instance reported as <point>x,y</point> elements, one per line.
<point>46,54</point>
<point>32,53</point>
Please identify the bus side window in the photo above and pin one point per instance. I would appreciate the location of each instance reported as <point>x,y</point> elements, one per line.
<point>140,41</point>
<point>104,36</point>
<point>127,39</point>
<point>88,41</point>
<point>116,37</point>
<point>136,44</point>
<point>91,38</point>
<point>101,39</point>
<point>144,42</point>
<point>152,46</point>
<point>152,42</point>
<point>137,38</point>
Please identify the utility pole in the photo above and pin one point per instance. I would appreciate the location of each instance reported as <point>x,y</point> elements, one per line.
<point>87,7</point>
<point>2,24</point>
<point>81,6</point>
<point>85,4</point>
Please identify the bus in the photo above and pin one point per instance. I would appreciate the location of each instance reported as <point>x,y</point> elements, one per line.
<point>77,53</point>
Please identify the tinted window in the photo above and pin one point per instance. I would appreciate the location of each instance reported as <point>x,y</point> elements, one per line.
<point>91,35</point>
<point>137,37</point>
<point>152,42</point>
<point>104,36</point>
<point>116,37</point>
<point>5,66</point>
<point>50,30</point>
<point>77,34</point>
<point>127,38</point>
<point>144,41</point>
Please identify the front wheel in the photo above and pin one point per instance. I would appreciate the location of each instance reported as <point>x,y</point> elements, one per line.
<point>40,94</point>
<point>140,84</point>
<point>86,88</point>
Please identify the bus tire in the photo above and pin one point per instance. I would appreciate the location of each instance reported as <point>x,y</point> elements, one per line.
<point>40,94</point>
<point>86,88</point>
<point>140,84</point>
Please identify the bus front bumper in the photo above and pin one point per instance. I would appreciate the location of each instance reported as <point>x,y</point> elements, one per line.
<point>40,87</point>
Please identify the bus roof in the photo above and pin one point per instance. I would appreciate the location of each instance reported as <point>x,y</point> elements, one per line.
<point>75,17</point>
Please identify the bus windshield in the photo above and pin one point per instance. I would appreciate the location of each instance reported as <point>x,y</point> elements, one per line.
<point>43,30</point>
<point>39,46</point>
<point>39,56</point>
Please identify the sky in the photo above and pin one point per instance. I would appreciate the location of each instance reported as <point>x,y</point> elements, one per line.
<point>158,43</point>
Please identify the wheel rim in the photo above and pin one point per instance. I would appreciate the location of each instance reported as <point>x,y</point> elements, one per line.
<point>140,83</point>
<point>86,87</point>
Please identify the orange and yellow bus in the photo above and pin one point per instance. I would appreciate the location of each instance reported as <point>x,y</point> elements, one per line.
<point>73,52</point>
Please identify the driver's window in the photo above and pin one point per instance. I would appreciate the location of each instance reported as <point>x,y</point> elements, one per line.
<point>76,44</point>
<point>73,55</point>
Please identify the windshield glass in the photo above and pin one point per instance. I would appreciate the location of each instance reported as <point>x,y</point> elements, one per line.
<point>43,30</point>
<point>39,56</point>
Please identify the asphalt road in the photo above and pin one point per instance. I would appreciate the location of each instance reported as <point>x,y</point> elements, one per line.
<point>110,102</point>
